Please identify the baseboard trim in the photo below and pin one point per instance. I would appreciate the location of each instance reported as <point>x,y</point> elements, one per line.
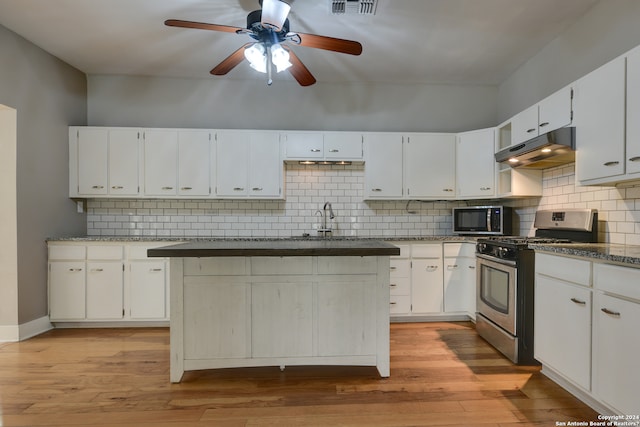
<point>577,391</point>
<point>26,330</point>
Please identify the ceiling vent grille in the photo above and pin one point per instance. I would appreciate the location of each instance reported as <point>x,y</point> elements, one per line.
<point>353,7</point>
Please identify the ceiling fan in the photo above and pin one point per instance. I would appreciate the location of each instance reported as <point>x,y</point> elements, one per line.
<point>269,27</point>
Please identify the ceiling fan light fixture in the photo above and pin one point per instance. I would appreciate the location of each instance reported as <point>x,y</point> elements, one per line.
<point>280,57</point>
<point>274,14</point>
<point>256,55</point>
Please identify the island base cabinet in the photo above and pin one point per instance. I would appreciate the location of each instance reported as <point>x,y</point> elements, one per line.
<point>616,350</point>
<point>249,316</point>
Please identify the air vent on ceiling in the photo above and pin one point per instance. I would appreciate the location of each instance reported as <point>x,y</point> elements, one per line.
<point>353,7</point>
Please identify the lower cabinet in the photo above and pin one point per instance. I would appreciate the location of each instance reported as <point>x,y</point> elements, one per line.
<point>586,330</point>
<point>433,281</point>
<point>102,281</point>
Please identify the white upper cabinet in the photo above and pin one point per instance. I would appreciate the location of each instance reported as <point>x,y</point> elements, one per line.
<point>430,166</point>
<point>248,164</point>
<point>383,166</point>
<point>103,162</point>
<point>331,146</point>
<point>160,162</point>
<point>633,114</point>
<point>551,113</point>
<point>600,124</point>
<point>194,163</point>
<point>475,164</point>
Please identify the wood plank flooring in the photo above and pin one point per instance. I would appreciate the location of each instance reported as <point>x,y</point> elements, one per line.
<point>442,374</point>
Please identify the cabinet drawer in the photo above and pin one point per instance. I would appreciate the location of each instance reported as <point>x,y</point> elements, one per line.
<point>400,304</point>
<point>568,269</point>
<point>282,265</point>
<point>400,286</point>
<point>64,252</point>
<point>426,251</point>
<point>405,251</point>
<point>459,249</point>
<point>400,268</point>
<point>104,252</point>
<point>623,281</point>
<point>225,266</point>
<point>347,265</point>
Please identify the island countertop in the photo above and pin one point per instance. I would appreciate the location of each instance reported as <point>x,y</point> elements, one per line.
<point>276,248</point>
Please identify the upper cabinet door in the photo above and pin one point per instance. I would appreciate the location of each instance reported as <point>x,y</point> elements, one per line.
<point>303,145</point>
<point>93,164</point>
<point>475,164</point>
<point>265,165</point>
<point>124,157</point>
<point>524,125</point>
<point>194,155</point>
<point>555,111</point>
<point>600,122</point>
<point>430,166</point>
<point>232,151</point>
<point>160,162</point>
<point>343,146</point>
<point>633,112</point>
<point>383,166</point>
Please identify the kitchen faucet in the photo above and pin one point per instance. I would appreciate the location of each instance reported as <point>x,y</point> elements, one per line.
<point>326,228</point>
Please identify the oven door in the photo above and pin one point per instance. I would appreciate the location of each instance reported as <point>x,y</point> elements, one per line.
<point>496,293</point>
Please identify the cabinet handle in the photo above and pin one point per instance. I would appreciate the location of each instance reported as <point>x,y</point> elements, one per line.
<point>167,188</point>
<point>431,267</point>
<point>452,266</point>
<point>98,270</point>
<point>543,124</point>
<point>392,268</point>
<point>376,189</point>
<point>393,285</point>
<point>117,187</point>
<point>531,130</point>
<point>485,188</point>
<point>75,270</point>
<point>610,313</point>
<point>98,187</point>
<point>448,190</point>
<point>315,150</point>
<point>186,188</point>
<point>238,188</point>
<point>155,269</point>
<point>634,159</point>
<point>577,301</point>
<point>392,303</point>
<point>611,163</point>
<point>256,189</point>
<point>334,150</point>
<point>472,267</point>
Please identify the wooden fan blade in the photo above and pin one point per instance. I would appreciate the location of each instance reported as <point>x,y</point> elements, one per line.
<point>298,69</point>
<point>327,43</point>
<point>230,62</point>
<point>201,26</point>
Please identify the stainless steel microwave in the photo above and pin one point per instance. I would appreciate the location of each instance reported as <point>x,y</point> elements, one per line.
<point>483,220</point>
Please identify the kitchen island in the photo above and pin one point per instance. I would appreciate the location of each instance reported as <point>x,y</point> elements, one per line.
<point>278,302</point>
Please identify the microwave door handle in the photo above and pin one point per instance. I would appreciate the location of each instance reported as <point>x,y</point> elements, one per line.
<point>489,227</point>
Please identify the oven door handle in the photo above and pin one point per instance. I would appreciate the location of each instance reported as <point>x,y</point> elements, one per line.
<point>496,260</point>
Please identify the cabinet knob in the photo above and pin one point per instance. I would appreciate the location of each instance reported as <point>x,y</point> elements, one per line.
<point>611,163</point>
<point>543,124</point>
<point>117,187</point>
<point>610,312</point>
<point>579,302</point>
<point>98,187</point>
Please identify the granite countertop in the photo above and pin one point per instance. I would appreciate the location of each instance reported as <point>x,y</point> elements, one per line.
<point>125,239</point>
<point>277,248</point>
<point>622,254</point>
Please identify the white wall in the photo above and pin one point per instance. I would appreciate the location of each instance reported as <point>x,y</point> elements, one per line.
<point>606,31</point>
<point>48,96</point>
<point>221,102</point>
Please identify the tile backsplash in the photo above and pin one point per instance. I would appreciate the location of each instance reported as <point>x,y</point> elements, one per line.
<point>309,187</point>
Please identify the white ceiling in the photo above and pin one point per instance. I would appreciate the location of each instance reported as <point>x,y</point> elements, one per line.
<point>408,41</point>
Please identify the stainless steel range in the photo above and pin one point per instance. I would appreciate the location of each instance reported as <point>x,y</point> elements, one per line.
<point>505,279</point>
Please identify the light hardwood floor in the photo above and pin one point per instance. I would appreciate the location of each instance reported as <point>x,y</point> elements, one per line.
<point>442,374</point>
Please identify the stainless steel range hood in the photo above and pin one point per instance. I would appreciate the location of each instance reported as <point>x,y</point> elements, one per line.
<point>551,149</point>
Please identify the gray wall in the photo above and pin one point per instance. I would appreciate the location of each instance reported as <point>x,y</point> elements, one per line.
<point>48,95</point>
<point>222,102</point>
<point>607,30</point>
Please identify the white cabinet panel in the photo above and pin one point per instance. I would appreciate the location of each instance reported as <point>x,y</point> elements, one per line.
<point>342,146</point>
<point>160,162</point>
<point>93,161</point>
<point>429,166</point>
<point>460,285</point>
<point>67,290</point>
<point>104,290</point>
<point>194,163</point>
<point>232,167</point>
<point>148,290</point>
<point>475,164</point>
<point>555,111</point>
<point>124,160</point>
<point>633,114</point>
<point>524,125</point>
<point>303,145</point>
<point>427,286</point>
<point>265,165</point>
<point>383,166</point>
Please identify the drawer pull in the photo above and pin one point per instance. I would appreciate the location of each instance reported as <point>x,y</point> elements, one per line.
<point>634,159</point>
<point>611,163</point>
<point>452,266</point>
<point>238,188</point>
<point>392,303</point>
<point>167,188</point>
<point>334,150</point>
<point>431,267</point>
<point>392,268</point>
<point>531,130</point>
<point>485,188</point>
<point>186,188</point>
<point>610,312</point>
<point>315,150</point>
<point>577,301</point>
<point>393,285</point>
<point>117,187</point>
<point>472,267</point>
<point>448,190</point>
<point>98,187</point>
<point>75,270</point>
<point>155,269</point>
<point>543,124</point>
<point>376,189</point>
<point>256,189</point>
<point>97,270</point>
